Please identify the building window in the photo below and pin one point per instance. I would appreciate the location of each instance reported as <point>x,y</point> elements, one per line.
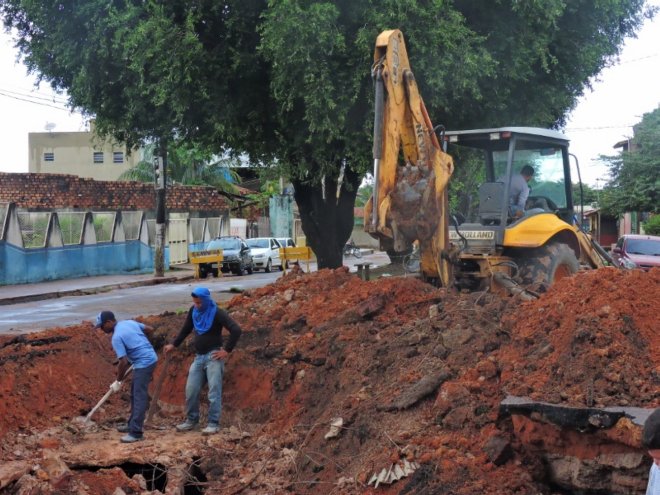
<point>98,157</point>
<point>118,157</point>
<point>49,156</point>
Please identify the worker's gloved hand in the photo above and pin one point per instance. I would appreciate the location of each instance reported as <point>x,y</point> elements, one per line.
<point>115,386</point>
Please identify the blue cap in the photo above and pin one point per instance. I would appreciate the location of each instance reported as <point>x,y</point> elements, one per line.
<point>102,317</point>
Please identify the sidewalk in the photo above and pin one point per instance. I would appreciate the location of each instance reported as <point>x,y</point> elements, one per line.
<point>13,294</point>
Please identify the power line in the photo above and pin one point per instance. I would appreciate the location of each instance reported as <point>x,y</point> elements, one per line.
<point>598,128</point>
<point>54,98</point>
<point>34,102</point>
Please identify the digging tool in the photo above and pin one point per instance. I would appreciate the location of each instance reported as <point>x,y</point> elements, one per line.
<point>159,385</point>
<point>104,398</point>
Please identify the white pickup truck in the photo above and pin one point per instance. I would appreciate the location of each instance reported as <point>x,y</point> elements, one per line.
<point>265,253</point>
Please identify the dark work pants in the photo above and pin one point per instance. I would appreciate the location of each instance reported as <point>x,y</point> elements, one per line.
<point>139,398</point>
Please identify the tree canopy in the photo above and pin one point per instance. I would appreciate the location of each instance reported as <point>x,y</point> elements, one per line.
<point>635,173</point>
<point>289,80</point>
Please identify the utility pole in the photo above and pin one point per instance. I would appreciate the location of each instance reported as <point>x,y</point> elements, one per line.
<point>160,169</point>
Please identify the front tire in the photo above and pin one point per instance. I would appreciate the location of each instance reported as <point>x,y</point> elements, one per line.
<point>269,266</point>
<point>545,266</point>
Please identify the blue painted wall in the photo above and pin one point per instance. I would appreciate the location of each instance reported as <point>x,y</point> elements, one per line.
<point>24,266</point>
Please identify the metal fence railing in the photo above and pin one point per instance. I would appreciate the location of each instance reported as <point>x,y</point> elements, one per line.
<point>197,229</point>
<point>4,208</point>
<point>215,226</point>
<point>131,221</point>
<point>71,225</point>
<point>103,225</point>
<point>34,227</point>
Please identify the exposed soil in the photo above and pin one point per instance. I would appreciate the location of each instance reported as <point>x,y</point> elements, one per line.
<point>415,373</point>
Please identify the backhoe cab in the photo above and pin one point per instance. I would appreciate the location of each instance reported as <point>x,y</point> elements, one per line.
<point>536,241</point>
<point>498,245</point>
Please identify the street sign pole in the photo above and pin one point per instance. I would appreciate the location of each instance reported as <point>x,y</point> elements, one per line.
<point>160,168</point>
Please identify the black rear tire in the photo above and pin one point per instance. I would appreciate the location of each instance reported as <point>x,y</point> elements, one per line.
<point>250,268</point>
<point>203,271</point>
<point>542,267</point>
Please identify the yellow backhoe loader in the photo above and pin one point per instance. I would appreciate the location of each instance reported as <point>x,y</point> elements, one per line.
<point>497,245</point>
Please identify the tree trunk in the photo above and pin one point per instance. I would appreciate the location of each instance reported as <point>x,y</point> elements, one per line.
<point>327,221</point>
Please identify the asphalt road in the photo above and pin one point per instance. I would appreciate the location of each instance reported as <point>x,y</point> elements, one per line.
<point>128,303</point>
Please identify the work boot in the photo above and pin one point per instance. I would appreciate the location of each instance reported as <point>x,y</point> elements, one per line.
<point>187,425</point>
<point>130,439</point>
<point>122,428</point>
<point>211,429</point>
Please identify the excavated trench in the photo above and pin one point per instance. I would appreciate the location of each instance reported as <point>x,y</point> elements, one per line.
<point>345,386</point>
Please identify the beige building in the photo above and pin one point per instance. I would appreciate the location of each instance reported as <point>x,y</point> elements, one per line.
<point>79,153</point>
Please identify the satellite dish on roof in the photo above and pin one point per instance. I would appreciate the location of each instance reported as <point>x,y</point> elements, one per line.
<point>49,126</point>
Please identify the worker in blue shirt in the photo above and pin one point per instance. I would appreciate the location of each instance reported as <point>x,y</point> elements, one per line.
<point>130,343</point>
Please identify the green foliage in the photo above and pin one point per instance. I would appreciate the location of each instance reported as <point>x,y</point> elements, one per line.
<point>652,225</point>
<point>187,164</point>
<point>288,81</point>
<point>266,191</point>
<point>590,195</point>
<point>635,183</point>
<point>364,193</point>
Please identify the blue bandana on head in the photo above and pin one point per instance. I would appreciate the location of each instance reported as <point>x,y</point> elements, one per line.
<point>203,317</point>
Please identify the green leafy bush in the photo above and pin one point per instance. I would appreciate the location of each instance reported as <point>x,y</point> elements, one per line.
<point>652,225</point>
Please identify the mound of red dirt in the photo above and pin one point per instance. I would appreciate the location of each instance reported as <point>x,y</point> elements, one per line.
<point>592,340</point>
<point>409,375</point>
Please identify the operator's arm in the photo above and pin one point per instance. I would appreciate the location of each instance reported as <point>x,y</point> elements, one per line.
<point>183,333</point>
<point>122,368</point>
<point>524,194</point>
<point>233,327</point>
<point>147,329</point>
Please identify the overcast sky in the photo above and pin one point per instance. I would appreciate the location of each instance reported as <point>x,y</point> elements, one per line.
<point>621,95</point>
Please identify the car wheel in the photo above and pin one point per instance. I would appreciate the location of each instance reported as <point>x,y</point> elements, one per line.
<point>203,271</point>
<point>269,266</point>
<point>250,268</point>
<point>215,272</point>
<point>282,265</point>
<point>240,269</point>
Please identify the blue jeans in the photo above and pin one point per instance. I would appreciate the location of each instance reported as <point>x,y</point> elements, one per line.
<point>205,369</point>
<point>139,398</point>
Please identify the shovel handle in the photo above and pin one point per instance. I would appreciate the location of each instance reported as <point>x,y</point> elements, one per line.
<point>104,398</point>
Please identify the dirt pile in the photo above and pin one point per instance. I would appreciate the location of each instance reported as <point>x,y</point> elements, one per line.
<point>408,375</point>
<point>593,340</point>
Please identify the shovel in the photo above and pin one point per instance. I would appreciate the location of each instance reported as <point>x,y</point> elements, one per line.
<point>157,388</point>
<point>103,399</point>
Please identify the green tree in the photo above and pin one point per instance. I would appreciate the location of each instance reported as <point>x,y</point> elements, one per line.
<point>635,174</point>
<point>189,165</point>
<point>652,225</point>
<point>289,79</point>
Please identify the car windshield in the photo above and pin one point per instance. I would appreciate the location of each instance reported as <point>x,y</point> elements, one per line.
<point>227,244</point>
<point>258,243</point>
<point>646,247</point>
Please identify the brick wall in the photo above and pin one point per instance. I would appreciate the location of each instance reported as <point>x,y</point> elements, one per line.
<point>55,191</point>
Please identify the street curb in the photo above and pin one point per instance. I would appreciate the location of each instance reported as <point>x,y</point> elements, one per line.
<point>93,290</point>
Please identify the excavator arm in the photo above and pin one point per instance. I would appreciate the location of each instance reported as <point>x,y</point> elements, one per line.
<point>411,171</point>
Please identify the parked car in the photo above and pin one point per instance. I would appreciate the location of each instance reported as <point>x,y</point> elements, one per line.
<point>286,242</point>
<point>266,253</point>
<point>236,256</point>
<point>637,251</point>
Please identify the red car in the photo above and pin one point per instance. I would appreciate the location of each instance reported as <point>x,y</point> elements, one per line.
<point>637,251</point>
